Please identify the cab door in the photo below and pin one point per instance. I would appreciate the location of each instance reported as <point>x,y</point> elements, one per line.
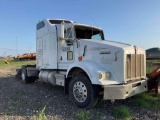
<point>66,49</point>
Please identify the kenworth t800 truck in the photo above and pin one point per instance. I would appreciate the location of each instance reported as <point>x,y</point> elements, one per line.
<point>78,57</point>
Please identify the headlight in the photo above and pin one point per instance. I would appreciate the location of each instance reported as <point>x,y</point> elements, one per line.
<point>104,75</point>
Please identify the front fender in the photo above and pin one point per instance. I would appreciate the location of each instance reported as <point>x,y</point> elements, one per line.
<point>89,68</point>
<point>92,69</point>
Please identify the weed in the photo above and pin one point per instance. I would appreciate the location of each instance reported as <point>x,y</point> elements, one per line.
<point>15,98</point>
<point>97,116</point>
<point>7,113</point>
<point>158,100</point>
<point>122,112</point>
<point>41,115</point>
<point>83,115</point>
<point>38,105</point>
<point>145,100</point>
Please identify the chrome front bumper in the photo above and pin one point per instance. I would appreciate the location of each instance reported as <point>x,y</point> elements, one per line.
<point>113,92</point>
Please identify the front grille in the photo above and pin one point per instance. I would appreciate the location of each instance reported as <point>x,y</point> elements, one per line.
<point>135,66</point>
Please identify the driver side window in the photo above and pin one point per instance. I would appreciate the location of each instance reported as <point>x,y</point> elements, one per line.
<point>68,33</point>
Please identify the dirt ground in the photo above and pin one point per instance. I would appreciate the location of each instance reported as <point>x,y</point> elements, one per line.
<point>20,101</point>
<point>4,72</point>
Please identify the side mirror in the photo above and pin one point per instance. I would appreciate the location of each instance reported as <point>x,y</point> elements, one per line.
<point>69,41</point>
<point>62,30</point>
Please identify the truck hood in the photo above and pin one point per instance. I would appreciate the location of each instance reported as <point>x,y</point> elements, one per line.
<point>101,44</point>
<point>110,43</point>
<point>109,55</point>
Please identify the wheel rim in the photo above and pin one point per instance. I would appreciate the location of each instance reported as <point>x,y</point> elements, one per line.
<point>23,76</point>
<point>80,91</point>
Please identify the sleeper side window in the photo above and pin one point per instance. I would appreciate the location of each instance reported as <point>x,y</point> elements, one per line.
<point>40,25</point>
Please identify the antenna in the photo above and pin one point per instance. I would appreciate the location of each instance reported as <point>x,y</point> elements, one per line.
<point>94,21</point>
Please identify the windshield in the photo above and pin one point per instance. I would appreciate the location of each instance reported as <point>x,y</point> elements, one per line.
<point>83,32</point>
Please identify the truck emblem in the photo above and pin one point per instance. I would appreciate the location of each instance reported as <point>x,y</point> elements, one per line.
<point>98,49</point>
<point>65,49</point>
<point>105,52</point>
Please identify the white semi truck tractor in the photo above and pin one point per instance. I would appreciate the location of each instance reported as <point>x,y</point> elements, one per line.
<point>78,57</point>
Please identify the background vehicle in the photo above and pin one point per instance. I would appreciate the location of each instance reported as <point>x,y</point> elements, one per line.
<point>31,56</point>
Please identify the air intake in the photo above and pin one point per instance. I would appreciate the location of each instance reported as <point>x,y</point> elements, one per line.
<point>135,66</point>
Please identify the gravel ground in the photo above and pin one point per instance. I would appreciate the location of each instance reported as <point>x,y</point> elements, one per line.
<point>20,101</point>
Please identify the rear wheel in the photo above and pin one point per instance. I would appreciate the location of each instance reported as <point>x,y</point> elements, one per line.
<point>82,92</point>
<point>25,77</point>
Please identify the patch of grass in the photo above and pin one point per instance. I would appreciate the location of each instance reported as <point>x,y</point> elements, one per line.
<point>41,115</point>
<point>17,64</point>
<point>36,105</point>
<point>15,98</point>
<point>7,113</point>
<point>158,100</point>
<point>2,64</point>
<point>39,105</point>
<point>97,116</point>
<point>145,100</point>
<point>122,112</point>
<point>83,115</point>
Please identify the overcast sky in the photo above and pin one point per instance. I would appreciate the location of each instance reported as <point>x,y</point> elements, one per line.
<point>135,22</point>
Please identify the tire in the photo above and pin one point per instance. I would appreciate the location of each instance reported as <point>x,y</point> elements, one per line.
<point>24,75</point>
<point>33,79</point>
<point>82,92</point>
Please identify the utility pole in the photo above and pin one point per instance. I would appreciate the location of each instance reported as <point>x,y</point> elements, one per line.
<point>30,48</point>
<point>4,54</point>
<point>16,46</point>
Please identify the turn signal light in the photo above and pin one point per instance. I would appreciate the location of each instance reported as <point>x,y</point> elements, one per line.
<point>80,58</point>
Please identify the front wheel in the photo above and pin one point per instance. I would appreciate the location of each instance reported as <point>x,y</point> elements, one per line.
<point>82,92</point>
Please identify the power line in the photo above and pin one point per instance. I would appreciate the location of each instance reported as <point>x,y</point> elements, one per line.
<point>94,21</point>
<point>9,49</point>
